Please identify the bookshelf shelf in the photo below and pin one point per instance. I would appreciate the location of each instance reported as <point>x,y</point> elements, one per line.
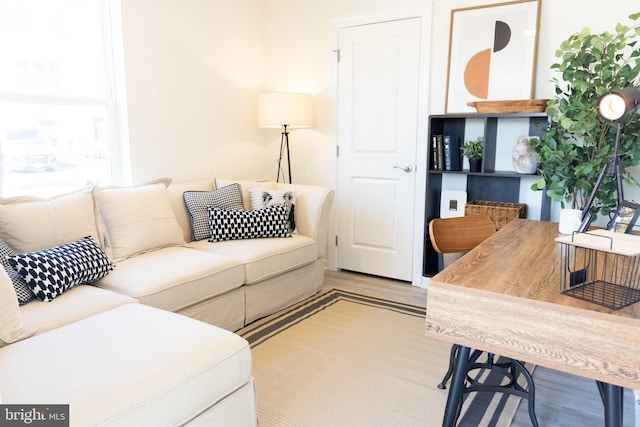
<point>497,180</point>
<point>467,172</point>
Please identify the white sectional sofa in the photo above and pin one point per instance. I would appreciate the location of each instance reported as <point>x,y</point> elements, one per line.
<point>137,346</point>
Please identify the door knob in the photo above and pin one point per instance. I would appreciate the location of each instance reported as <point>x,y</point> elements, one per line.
<point>407,168</point>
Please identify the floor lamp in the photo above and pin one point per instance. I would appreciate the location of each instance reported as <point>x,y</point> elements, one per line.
<point>286,110</point>
<point>613,107</point>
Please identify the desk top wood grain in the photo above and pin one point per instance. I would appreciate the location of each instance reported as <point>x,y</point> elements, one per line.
<point>504,297</point>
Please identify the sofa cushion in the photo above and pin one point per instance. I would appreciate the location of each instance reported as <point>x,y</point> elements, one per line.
<point>234,225</point>
<point>138,219</point>
<point>264,258</point>
<point>50,272</point>
<point>197,202</point>
<point>261,199</point>
<point>75,304</point>
<point>11,326</point>
<point>130,366</point>
<point>175,277</point>
<point>29,224</point>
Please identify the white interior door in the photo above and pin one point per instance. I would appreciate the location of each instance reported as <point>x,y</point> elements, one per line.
<point>378,82</point>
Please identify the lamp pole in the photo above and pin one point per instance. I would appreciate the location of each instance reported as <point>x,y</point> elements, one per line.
<point>613,169</point>
<point>284,146</point>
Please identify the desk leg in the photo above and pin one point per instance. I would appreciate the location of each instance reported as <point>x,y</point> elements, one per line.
<point>454,398</point>
<point>613,404</point>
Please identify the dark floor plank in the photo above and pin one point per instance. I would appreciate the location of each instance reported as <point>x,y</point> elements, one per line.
<point>564,400</point>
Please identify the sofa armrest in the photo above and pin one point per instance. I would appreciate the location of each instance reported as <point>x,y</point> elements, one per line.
<point>313,207</point>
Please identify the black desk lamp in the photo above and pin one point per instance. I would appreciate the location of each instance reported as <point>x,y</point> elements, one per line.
<point>288,110</point>
<point>613,107</point>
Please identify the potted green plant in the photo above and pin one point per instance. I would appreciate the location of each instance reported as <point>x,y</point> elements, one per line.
<point>577,145</point>
<point>473,150</point>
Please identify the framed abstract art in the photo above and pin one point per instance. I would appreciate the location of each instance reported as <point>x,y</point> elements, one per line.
<point>492,53</point>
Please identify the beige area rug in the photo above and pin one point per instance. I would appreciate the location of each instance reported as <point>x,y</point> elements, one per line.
<point>346,359</point>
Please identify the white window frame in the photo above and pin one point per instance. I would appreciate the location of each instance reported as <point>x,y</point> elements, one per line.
<point>114,101</point>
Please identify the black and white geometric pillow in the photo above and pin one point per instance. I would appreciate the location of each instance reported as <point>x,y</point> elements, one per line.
<point>197,202</point>
<point>261,199</point>
<point>23,292</point>
<point>50,272</point>
<point>235,225</point>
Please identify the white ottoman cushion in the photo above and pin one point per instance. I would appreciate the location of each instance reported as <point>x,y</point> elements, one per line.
<point>134,365</point>
<point>75,304</point>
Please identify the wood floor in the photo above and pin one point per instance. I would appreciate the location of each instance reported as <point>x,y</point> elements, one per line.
<point>562,400</point>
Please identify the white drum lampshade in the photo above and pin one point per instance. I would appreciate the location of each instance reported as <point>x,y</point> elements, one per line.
<point>292,109</point>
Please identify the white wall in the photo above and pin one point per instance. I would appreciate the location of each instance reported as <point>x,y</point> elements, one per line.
<point>298,56</point>
<point>193,72</point>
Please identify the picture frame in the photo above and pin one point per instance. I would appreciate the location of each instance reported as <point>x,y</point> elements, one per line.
<point>492,54</point>
<point>626,217</point>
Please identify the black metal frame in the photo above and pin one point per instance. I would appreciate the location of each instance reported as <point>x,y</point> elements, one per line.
<point>612,168</point>
<point>462,361</point>
<point>611,395</point>
<point>284,146</point>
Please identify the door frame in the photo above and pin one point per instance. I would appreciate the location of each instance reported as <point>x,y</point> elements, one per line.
<point>425,14</point>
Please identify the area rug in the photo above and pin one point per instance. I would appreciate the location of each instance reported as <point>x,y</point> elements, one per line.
<point>346,359</point>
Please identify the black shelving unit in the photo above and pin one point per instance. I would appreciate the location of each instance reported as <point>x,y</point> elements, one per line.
<point>489,183</point>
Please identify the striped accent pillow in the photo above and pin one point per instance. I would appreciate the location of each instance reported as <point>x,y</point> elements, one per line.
<point>260,223</point>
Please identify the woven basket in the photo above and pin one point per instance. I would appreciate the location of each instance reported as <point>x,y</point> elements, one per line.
<point>500,212</point>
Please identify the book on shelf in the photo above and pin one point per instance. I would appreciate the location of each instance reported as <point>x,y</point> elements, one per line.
<point>437,153</point>
<point>451,153</point>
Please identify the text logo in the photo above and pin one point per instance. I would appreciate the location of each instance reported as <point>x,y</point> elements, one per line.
<point>34,415</point>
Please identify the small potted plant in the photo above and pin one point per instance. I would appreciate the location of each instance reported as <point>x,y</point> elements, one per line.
<point>473,150</point>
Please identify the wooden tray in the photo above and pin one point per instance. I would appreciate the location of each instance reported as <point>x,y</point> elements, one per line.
<point>513,106</point>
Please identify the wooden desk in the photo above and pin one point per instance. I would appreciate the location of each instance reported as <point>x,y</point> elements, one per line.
<point>504,297</point>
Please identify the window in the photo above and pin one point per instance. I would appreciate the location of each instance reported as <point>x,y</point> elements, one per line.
<point>57,102</point>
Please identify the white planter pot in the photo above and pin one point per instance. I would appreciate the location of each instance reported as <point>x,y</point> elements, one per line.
<point>570,220</point>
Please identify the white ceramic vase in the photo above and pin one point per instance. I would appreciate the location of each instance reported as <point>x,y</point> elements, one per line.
<point>525,160</point>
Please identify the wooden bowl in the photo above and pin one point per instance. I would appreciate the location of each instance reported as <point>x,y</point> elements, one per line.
<point>512,106</point>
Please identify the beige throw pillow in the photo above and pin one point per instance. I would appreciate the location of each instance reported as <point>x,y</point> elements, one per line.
<point>30,224</point>
<point>137,219</point>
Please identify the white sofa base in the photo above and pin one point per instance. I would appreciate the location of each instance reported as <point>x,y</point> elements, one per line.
<point>225,311</point>
<point>257,300</point>
<point>234,410</point>
<point>267,297</point>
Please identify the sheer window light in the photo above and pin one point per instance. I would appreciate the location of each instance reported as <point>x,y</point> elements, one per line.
<point>57,101</point>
